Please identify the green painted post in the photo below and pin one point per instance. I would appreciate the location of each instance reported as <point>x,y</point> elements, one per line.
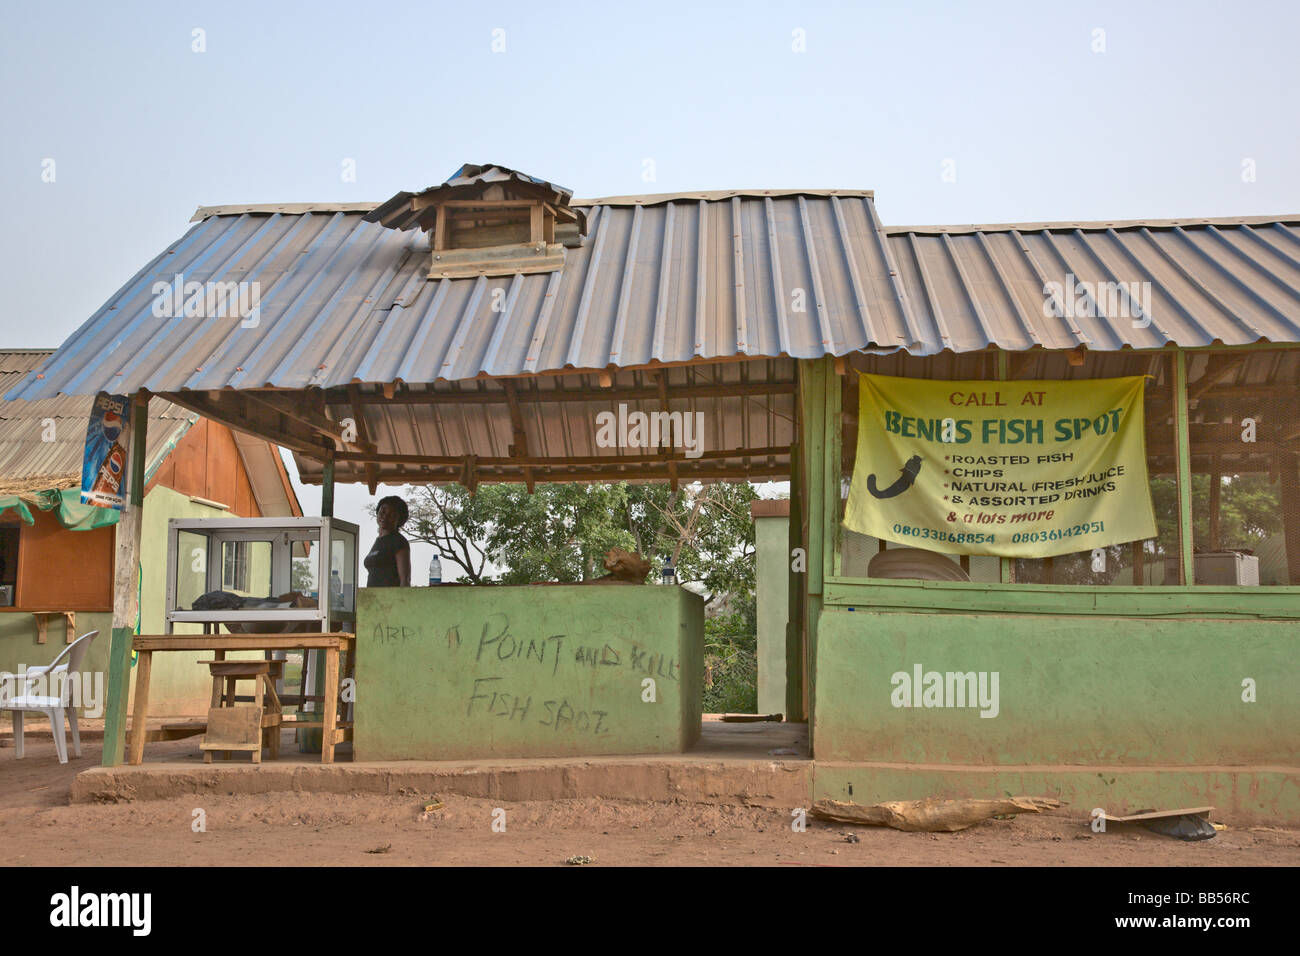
<point>833,396</point>
<point>1006,566</point>
<point>812,395</point>
<point>794,701</point>
<point>1183,447</point>
<point>125,602</point>
<point>813,422</point>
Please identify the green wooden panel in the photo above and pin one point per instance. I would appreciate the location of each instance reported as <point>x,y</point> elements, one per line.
<point>947,597</point>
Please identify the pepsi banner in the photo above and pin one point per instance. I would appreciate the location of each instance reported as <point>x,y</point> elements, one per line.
<point>103,468</point>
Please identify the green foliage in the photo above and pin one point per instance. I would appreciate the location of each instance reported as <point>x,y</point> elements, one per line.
<point>730,681</point>
<point>731,662</point>
<point>561,532</point>
<point>1249,511</point>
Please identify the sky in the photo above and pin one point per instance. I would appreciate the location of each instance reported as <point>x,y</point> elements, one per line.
<point>119,120</point>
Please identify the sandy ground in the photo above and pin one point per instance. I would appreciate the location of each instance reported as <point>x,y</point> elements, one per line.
<point>39,827</point>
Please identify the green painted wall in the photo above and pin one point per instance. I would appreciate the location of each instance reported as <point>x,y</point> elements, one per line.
<point>1099,711</point>
<point>178,684</point>
<point>466,672</point>
<point>1071,690</point>
<point>18,649</point>
<point>771,585</point>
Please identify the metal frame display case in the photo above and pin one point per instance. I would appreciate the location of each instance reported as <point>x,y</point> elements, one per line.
<point>206,555</point>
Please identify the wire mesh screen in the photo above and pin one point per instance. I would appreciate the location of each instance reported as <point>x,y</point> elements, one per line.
<point>1245,457</point>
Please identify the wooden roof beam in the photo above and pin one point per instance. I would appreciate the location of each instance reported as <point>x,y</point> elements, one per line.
<point>542,396</point>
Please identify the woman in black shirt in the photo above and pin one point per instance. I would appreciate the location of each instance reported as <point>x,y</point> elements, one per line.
<point>388,565</point>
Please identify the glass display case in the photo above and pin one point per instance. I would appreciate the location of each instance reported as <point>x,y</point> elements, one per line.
<point>262,575</point>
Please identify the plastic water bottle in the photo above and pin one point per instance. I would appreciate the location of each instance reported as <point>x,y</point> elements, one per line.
<point>669,573</point>
<point>435,570</point>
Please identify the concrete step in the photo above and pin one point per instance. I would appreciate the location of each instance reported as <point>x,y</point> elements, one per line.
<point>784,783</point>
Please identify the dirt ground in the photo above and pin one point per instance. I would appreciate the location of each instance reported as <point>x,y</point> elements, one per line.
<point>38,827</point>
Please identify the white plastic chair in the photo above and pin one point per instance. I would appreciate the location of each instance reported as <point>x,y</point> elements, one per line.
<point>58,673</point>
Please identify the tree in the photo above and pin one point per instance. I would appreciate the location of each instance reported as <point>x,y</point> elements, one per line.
<point>454,522</point>
<point>561,532</point>
<point>1249,511</point>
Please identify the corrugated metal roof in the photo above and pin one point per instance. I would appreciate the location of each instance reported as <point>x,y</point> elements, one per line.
<point>25,454</point>
<point>346,301</point>
<point>667,280</point>
<point>1192,283</point>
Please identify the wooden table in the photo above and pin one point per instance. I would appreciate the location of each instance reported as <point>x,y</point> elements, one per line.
<point>331,644</point>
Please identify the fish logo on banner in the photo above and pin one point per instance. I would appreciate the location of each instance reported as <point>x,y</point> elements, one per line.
<point>103,467</point>
<point>1011,469</point>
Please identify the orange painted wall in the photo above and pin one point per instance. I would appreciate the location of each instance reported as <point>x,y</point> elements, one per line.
<point>64,570</point>
<point>206,464</point>
<point>73,570</point>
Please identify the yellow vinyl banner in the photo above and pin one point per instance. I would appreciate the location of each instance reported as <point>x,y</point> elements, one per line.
<point>1024,469</point>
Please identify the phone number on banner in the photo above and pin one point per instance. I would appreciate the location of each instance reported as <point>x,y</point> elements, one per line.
<point>1019,537</point>
<point>955,537</point>
<point>1056,534</point>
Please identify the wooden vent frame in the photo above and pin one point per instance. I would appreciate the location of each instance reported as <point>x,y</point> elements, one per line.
<point>500,232</point>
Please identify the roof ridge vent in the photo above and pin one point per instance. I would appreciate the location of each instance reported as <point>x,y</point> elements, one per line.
<point>489,220</point>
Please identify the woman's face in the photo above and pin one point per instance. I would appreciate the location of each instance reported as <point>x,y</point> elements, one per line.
<point>386,518</point>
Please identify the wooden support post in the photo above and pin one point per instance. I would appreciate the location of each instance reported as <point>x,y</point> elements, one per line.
<point>126,564</point>
<point>331,706</point>
<point>536,223</point>
<point>661,383</point>
<point>1290,467</point>
<point>440,229</point>
<point>1139,559</point>
<point>519,445</point>
<point>327,490</point>
<point>1006,566</point>
<point>1216,495</point>
<point>1182,446</point>
<point>143,671</point>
